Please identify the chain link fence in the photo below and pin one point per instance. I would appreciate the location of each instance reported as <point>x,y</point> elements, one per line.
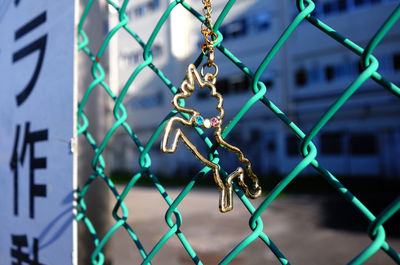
<point>369,70</point>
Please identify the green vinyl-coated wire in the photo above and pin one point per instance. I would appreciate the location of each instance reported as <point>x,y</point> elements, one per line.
<point>370,70</point>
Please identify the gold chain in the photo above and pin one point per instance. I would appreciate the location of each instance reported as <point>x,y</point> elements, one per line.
<point>210,38</point>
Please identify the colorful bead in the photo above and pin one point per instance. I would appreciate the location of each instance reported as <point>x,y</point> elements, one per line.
<point>207,123</point>
<point>214,122</point>
<point>199,120</point>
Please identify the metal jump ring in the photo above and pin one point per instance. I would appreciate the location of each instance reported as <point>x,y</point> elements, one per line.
<point>209,66</point>
<point>211,35</point>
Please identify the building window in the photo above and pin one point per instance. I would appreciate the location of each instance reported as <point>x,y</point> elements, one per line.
<point>238,28</point>
<point>132,58</point>
<point>269,83</point>
<point>243,26</point>
<point>140,11</point>
<point>233,85</point>
<point>327,8</point>
<point>154,4</point>
<point>135,57</point>
<point>271,146</point>
<point>360,2</point>
<point>331,143</point>
<point>334,6</point>
<point>156,51</point>
<point>267,79</point>
<point>261,21</point>
<point>329,72</point>
<point>203,94</point>
<point>342,5</point>
<point>363,144</point>
<point>337,6</point>
<point>106,28</point>
<point>366,2</point>
<point>255,135</point>
<point>396,61</point>
<point>301,77</point>
<point>341,70</point>
<point>292,145</point>
<point>234,29</point>
<point>222,86</point>
<point>143,9</point>
<point>360,69</point>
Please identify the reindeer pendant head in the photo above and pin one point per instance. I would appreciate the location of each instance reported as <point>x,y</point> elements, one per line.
<point>186,89</point>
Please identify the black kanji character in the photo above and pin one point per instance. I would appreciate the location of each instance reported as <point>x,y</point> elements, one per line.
<point>39,44</point>
<point>36,190</point>
<point>21,257</point>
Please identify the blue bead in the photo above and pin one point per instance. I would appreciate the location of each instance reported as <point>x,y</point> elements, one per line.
<point>199,120</point>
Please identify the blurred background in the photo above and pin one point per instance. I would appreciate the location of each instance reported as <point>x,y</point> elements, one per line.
<point>360,144</point>
<point>304,79</point>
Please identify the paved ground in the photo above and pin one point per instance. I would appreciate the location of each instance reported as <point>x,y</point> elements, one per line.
<point>296,224</point>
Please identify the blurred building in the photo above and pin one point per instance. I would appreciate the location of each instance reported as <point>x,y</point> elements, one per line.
<point>306,76</point>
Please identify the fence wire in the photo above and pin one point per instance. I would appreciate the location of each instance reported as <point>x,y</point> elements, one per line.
<point>369,65</point>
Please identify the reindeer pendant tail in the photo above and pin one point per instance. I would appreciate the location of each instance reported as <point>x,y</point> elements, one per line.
<point>188,86</point>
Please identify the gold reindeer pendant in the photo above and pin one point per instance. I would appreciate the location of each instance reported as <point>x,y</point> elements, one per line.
<point>226,188</point>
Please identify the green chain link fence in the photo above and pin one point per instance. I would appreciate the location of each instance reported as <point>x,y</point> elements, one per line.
<point>369,65</point>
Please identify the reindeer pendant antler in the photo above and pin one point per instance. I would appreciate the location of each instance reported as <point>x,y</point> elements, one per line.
<point>188,86</point>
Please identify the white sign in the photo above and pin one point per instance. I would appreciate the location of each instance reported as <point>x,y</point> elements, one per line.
<point>36,127</point>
